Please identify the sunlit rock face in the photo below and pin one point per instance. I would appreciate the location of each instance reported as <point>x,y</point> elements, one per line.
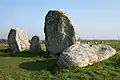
<point>82,55</point>
<point>18,40</point>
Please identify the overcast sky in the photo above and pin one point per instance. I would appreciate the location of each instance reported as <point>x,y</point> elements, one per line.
<point>99,19</point>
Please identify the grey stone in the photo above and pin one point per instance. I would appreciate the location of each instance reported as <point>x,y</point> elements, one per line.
<point>18,40</point>
<point>88,42</point>
<point>101,42</point>
<point>35,45</point>
<point>96,42</point>
<point>82,55</point>
<point>59,32</point>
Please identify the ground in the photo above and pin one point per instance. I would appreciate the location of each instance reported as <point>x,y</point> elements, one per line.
<point>27,66</point>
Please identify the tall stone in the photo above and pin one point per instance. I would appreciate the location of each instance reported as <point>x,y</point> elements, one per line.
<point>18,40</point>
<point>35,45</point>
<point>59,32</point>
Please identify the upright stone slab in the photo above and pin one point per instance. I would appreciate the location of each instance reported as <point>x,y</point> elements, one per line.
<point>35,45</point>
<point>59,32</point>
<point>18,40</point>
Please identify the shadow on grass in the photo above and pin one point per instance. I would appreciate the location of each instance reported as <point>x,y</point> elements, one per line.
<point>47,64</point>
<point>8,53</point>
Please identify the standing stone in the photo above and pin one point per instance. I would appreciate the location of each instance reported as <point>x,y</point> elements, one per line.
<point>82,55</point>
<point>18,40</point>
<point>59,32</point>
<point>101,42</point>
<point>35,45</point>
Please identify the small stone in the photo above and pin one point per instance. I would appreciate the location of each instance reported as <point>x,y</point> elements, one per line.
<point>35,45</point>
<point>96,42</point>
<point>101,42</point>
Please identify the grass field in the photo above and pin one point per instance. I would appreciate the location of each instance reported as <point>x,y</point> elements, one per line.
<point>27,66</point>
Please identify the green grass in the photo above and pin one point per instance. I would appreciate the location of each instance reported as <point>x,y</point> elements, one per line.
<point>27,66</point>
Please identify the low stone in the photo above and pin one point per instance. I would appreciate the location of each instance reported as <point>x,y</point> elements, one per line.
<point>82,55</point>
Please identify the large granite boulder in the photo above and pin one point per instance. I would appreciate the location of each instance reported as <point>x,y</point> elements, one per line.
<point>82,55</point>
<point>35,45</point>
<point>59,32</point>
<point>18,40</point>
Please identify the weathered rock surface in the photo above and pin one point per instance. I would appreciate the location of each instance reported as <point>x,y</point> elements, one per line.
<point>82,55</point>
<point>35,45</point>
<point>18,40</point>
<point>59,32</point>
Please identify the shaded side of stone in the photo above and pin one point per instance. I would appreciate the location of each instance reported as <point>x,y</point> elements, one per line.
<point>11,40</point>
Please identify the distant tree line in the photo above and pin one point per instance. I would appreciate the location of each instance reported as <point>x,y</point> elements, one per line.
<point>3,41</point>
